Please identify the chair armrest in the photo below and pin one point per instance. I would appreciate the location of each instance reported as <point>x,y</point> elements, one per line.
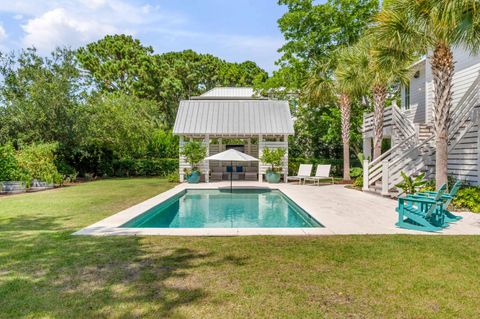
<point>430,195</point>
<point>419,199</point>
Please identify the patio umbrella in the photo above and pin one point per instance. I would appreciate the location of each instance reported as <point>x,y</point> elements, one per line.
<point>231,156</point>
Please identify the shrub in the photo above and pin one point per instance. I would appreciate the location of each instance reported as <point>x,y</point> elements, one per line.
<point>356,172</point>
<point>274,158</point>
<point>145,167</point>
<point>9,170</point>
<point>69,174</point>
<point>39,161</point>
<point>173,178</point>
<point>411,185</point>
<point>468,198</point>
<point>358,182</point>
<point>162,144</point>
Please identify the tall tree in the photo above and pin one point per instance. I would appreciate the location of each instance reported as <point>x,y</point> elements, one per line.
<point>121,123</point>
<point>313,31</point>
<point>380,67</point>
<point>40,98</point>
<point>434,27</point>
<point>341,86</point>
<point>118,63</point>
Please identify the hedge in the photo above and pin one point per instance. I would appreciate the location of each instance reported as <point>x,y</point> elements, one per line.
<point>468,197</point>
<point>337,164</point>
<point>145,167</point>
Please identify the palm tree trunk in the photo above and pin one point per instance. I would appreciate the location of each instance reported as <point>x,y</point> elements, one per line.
<point>345,110</point>
<point>379,97</point>
<point>442,71</point>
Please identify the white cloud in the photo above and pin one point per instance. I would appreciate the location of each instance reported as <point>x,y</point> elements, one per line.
<point>3,33</point>
<point>93,4</point>
<point>77,22</point>
<point>59,27</point>
<point>74,23</point>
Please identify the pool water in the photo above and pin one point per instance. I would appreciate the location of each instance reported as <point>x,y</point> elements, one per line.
<point>242,208</point>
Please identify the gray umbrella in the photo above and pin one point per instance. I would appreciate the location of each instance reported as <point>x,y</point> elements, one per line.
<point>231,156</point>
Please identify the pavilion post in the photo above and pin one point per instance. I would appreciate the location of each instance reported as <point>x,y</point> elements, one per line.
<point>285,163</point>
<point>260,150</point>
<point>206,165</point>
<point>180,159</point>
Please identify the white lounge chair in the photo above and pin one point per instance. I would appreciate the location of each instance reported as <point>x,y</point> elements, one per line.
<point>304,171</point>
<point>323,172</point>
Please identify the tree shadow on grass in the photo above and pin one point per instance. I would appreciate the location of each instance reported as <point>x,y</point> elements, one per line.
<point>27,223</point>
<point>59,275</point>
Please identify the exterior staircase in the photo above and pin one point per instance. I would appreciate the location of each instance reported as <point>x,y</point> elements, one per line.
<point>413,151</point>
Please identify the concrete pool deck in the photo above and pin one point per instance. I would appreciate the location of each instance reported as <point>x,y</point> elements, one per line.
<point>343,211</point>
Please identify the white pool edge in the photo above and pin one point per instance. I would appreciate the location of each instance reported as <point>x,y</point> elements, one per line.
<point>340,210</point>
<point>111,225</point>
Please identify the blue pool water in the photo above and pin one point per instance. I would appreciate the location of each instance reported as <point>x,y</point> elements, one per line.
<point>243,208</point>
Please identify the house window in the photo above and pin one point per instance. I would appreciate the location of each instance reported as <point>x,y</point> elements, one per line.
<point>407,96</point>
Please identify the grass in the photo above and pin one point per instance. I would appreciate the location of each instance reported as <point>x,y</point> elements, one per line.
<point>45,272</point>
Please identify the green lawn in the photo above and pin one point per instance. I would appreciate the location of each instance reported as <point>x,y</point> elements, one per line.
<point>45,272</point>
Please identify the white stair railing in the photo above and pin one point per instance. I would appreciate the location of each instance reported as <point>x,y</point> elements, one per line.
<point>419,157</point>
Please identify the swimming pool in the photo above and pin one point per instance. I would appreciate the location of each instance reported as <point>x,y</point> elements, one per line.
<point>218,208</point>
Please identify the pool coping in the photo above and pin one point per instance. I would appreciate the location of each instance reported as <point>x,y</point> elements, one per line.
<point>342,211</point>
<point>112,224</point>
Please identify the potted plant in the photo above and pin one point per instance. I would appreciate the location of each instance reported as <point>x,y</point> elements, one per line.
<point>274,158</point>
<point>194,152</point>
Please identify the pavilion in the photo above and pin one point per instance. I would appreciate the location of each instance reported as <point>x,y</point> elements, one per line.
<point>230,117</point>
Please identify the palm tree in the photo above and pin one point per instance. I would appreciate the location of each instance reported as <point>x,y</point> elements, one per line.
<point>433,27</point>
<point>339,86</point>
<point>380,67</point>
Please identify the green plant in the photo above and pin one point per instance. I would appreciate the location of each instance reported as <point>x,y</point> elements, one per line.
<point>39,161</point>
<point>9,169</point>
<point>428,187</point>
<point>194,152</point>
<point>273,157</point>
<point>356,172</point>
<point>358,182</point>
<point>411,185</point>
<point>469,198</point>
<point>145,167</point>
<point>173,177</point>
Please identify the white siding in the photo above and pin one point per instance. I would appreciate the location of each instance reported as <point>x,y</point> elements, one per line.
<point>463,159</point>
<point>467,69</point>
<point>416,112</point>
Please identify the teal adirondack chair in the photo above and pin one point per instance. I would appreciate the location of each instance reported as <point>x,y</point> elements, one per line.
<point>421,212</point>
<point>447,199</point>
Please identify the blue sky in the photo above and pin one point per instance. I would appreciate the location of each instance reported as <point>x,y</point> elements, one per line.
<point>235,30</point>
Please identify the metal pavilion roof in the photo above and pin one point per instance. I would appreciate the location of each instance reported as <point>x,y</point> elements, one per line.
<point>223,116</point>
<point>225,92</point>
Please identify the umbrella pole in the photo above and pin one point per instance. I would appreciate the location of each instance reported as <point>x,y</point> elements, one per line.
<point>231,175</point>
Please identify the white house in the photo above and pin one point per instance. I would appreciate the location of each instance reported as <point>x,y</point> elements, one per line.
<point>232,117</point>
<point>410,128</point>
